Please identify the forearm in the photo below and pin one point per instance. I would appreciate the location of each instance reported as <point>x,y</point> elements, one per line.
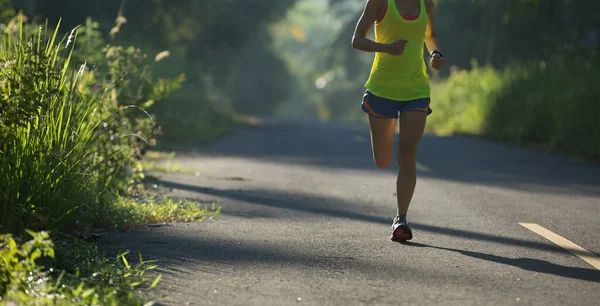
<point>432,43</point>
<point>367,45</point>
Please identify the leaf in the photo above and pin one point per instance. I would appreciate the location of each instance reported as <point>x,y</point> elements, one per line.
<point>87,293</point>
<point>125,262</point>
<point>12,244</point>
<point>35,255</point>
<point>77,291</point>
<point>155,282</point>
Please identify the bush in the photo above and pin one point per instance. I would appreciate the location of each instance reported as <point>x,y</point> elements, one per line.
<point>47,130</point>
<point>552,103</point>
<point>71,142</point>
<point>70,137</point>
<point>81,274</point>
<point>461,104</point>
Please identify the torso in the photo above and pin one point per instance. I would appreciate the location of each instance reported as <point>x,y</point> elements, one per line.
<point>404,77</point>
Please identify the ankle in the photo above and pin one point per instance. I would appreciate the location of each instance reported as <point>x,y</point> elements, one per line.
<point>401,216</point>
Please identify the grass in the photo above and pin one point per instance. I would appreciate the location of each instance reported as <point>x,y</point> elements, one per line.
<point>461,104</point>
<point>151,209</point>
<point>48,134</point>
<point>550,105</point>
<point>69,154</point>
<point>163,162</point>
<point>81,274</point>
<point>71,271</point>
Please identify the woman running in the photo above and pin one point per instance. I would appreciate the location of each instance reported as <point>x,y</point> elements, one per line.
<point>398,88</point>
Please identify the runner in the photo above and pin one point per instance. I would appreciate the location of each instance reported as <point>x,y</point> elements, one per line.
<point>398,88</point>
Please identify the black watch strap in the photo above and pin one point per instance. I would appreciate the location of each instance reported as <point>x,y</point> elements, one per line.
<point>437,52</point>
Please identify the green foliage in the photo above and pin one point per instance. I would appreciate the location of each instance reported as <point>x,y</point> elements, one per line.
<point>162,162</point>
<point>70,136</point>
<point>19,271</point>
<point>548,103</point>
<point>461,104</point>
<point>556,103</point>
<point>207,36</point>
<point>41,272</point>
<point>47,131</point>
<point>193,117</point>
<point>7,11</point>
<point>125,76</point>
<point>495,33</point>
<point>314,41</point>
<point>130,212</point>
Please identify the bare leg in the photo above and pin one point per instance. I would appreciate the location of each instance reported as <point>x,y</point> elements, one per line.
<point>412,125</point>
<point>382,140</point>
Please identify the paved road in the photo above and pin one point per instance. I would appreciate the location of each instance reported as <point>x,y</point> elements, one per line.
<point>306,220</point>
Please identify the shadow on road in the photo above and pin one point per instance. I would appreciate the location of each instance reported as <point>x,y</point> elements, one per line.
<point>336,208</point>
<point>185,251</point>
<point>533,265</point>
<point>461,159</point>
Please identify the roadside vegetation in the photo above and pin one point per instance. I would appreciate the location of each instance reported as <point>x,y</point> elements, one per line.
<point>89,92</point>
<point>72,143</point>
<point>547,105</point>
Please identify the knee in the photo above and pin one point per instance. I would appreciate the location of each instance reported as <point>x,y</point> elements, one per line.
<point>383,163</point>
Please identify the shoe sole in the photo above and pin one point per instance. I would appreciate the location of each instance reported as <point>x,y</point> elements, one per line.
<point>402,233</point>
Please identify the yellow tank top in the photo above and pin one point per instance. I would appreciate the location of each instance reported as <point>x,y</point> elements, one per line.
<point>404,77</point>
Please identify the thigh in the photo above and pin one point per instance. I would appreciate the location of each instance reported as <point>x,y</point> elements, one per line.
<point>382,139</point>
<point>412,126</point>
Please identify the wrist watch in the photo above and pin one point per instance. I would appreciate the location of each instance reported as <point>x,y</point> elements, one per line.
<point>437,52</point>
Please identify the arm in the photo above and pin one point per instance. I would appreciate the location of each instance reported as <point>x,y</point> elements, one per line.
<point>365,23</point>
<point>430,38</point>
<point>436,60</point>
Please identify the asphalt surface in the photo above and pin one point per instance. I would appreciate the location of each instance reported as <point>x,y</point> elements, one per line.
<point>306,220</point>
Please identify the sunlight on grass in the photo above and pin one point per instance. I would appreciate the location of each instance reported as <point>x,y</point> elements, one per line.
<point>163,162</point>
<point>151,209</point>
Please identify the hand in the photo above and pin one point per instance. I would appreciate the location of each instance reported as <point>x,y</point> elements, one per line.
<point>437,61</point>
<point>397,47</point>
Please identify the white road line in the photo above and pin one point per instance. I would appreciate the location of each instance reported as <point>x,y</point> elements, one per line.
<point>564,243</point>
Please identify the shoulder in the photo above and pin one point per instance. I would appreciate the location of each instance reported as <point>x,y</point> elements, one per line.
<point>429,5</point>
<point>377,4</point>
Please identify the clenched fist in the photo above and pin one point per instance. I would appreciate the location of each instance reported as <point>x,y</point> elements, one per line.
<point>397,47</point>
<point>437,61</point>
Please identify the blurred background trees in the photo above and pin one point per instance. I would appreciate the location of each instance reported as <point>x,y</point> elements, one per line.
<point>222,48</point>
<point>293,58</point>
<point>489,32</point>
<point>520,71</point>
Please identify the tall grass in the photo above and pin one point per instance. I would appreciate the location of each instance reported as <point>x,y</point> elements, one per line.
<point>47,174</point>
<point>69,155</point>
<point>552,105</point>
<point>71,138</point>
